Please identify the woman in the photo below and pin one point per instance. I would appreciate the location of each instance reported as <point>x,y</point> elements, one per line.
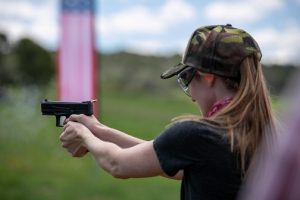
<point>220,71</point>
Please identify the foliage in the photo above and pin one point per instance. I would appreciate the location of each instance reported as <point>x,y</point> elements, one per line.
<point>24,63</point>
<point>27,63</point>
<point>34,63</point>
<point>137,73</point>
<point>278,76</point>
<point>132,72</point>
<point>6,69</point>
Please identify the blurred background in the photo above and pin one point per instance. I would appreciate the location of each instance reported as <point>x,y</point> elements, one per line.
<point>136,40</point>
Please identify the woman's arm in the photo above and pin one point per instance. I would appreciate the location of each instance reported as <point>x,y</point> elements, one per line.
<point>105,133</point>
<point>137,161</point>
<point>115,137</point>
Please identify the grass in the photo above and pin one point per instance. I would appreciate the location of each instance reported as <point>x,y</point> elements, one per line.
<point>35,166</point>
<point>142,115</point>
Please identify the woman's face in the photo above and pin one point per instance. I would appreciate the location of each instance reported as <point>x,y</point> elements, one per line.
<point>202,92</point>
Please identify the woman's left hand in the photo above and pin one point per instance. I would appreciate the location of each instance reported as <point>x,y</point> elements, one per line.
<point>73,138</point>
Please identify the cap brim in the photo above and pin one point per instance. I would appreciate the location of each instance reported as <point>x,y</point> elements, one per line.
<point>173,71</point>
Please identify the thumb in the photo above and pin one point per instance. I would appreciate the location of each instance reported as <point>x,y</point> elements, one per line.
<point>73,118</point>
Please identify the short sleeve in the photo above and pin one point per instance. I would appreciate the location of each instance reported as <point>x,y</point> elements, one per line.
<point>184,144</point>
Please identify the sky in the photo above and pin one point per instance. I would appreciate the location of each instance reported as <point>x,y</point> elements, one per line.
<point>162,27</point>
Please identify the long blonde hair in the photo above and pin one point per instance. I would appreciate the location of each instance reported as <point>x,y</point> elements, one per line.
<point>249,115</point>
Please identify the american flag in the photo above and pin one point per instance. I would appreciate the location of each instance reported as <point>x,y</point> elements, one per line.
<point>76,55</point>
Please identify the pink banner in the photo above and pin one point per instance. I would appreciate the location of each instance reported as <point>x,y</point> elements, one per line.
<point>76,78</point>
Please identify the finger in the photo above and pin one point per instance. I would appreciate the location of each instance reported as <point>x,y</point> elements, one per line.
<point>70,144</point>
<point>62,136</point>
<point>74,118</point>
<point>65,121</point>
<point>71,132</point>
<point>66,144</point>
<point>67,138</point>
<point>68,134</point>
<point>68,124</point>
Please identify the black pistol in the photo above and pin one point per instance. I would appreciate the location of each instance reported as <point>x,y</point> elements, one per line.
<point>63,110</point>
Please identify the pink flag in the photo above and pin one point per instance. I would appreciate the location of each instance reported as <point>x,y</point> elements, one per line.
<point>76,58</point>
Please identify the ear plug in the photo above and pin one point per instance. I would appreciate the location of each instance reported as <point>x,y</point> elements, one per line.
<point>208,77</point>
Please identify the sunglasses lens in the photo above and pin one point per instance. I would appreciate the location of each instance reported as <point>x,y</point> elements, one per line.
<point>185,77</point>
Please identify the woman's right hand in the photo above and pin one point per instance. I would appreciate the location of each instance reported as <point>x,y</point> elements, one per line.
<point>89,121</point>
<point>104,132</point>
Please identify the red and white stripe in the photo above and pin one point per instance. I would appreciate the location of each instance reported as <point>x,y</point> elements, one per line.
<point>76,57</point>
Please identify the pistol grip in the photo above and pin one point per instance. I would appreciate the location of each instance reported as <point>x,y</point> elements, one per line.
<point>60,120</point>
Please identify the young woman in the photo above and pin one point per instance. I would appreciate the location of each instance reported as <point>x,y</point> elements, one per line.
<point>221,72</point>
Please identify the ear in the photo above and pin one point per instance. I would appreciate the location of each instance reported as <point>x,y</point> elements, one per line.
<point>210,78</point>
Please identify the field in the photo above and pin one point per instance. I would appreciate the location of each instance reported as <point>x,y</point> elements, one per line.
<point>35,166</point>
<point>134,100</point>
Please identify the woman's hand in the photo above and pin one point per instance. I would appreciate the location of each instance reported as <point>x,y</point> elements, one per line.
<point>74,138</point>
<point>105,133</point>
<point>89,121</point>
<point>77,150</point>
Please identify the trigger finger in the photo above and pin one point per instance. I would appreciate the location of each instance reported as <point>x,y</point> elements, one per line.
<point>74,118</point>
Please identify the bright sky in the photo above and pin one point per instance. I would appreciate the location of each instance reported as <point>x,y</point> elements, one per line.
<point>163,27</point>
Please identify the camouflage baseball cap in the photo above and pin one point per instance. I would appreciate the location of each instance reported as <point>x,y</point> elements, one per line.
<point>217,49</point>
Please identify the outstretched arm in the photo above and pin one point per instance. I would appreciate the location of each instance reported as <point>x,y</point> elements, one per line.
<point>122,147</point>
<point>137,161</point>
<point>106,133</point>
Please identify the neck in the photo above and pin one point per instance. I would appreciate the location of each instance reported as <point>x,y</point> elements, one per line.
<point>218,106</point>
<point>222,97</point>
<point>222,91</point>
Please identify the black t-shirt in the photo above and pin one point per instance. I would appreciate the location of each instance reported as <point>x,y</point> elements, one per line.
<point>211,170</point>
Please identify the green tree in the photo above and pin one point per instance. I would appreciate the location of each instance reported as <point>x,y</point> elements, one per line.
<point>34,63</point>
<point>4,45</point>
<point>6,66</point>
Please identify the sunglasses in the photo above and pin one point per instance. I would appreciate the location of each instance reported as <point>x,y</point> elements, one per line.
<point>185,77</point>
